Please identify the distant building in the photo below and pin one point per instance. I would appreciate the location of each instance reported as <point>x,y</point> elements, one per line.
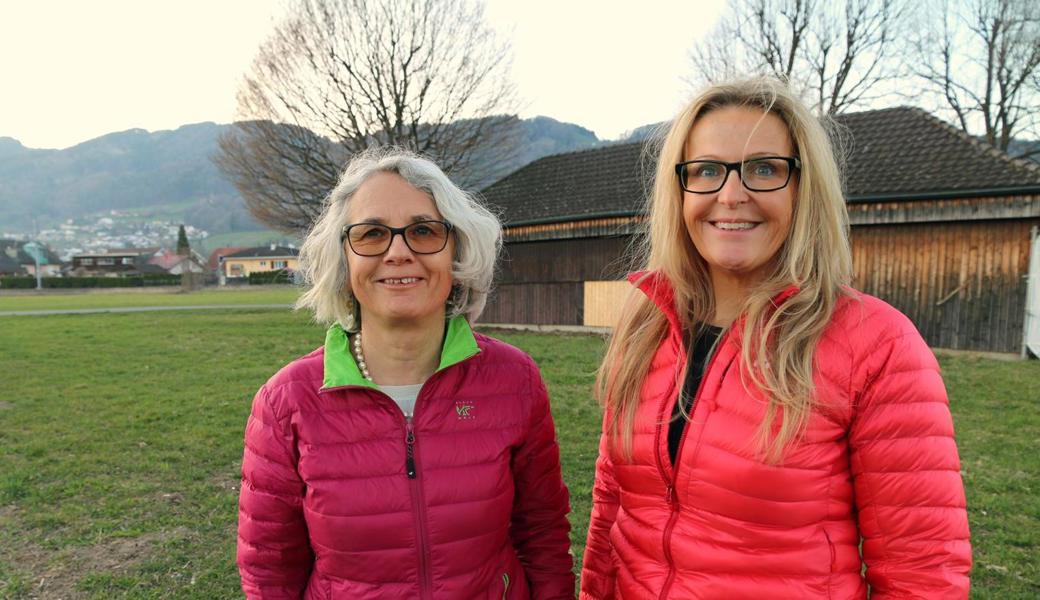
<point>240,264</point>
<point>14,260</point>
<point>175,264</point>
<point>213,264</point>
<point>115,262</point>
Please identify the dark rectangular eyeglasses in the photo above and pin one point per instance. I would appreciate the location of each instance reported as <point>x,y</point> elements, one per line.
<point>374,239</point>
<point>760,174</point>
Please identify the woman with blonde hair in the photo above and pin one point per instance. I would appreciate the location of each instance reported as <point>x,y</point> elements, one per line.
<point>764,422</point>
<point>409,457</point>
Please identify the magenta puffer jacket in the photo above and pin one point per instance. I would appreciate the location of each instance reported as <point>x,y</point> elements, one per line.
<point>877,464</point>
<point>342,498</point>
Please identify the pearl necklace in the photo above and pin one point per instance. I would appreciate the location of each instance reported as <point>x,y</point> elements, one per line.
<point>361,357</point>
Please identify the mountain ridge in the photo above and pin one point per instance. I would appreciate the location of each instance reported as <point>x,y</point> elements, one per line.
<point>168,172</point>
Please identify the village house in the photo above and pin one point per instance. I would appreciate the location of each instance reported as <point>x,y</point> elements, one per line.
<point>115,262</point>
<point>214,268</point>
<point>239,265</point>
<point>14,260</point>
<point>942,228</point>
<point>176,264</point>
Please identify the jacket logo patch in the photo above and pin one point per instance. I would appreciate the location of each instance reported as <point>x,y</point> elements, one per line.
<point>463,410</point>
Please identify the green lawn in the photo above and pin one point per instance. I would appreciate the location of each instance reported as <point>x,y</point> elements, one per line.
<point>172,296</point>
<point>120,440</point>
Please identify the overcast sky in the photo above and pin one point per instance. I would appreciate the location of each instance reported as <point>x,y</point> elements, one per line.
<point>73,70</point>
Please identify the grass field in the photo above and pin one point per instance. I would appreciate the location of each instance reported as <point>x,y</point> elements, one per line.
<point>172,296</point>
<point>120,441</point>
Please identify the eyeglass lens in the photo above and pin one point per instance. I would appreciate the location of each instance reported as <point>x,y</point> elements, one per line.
<point>765,174</point>
<point>372,239</point>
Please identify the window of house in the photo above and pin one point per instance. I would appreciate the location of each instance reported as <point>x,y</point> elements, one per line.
<point>127,260</point>
<point>263,263</point>
<point>86,261</point>
<point>106,261</point>
<point>278,264</point>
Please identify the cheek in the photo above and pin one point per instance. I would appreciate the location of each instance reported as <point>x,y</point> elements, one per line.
<point>355,271</point>
<point>691,217</point>
<point>785,217</point>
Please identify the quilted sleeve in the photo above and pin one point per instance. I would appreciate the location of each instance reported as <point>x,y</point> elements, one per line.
<point>274,553</point>
<point>539,528</point>
<point>598,570</point>
<point>906,473</point>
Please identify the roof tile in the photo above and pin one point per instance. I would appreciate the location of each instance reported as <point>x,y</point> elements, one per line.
<point>891,152</point>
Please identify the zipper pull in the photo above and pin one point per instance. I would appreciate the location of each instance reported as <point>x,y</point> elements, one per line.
<point>409,450</point>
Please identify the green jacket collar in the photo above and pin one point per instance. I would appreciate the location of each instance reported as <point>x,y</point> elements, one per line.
<point>341,369</point>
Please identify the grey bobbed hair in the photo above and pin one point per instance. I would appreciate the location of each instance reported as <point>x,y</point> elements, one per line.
<point>323,263</point>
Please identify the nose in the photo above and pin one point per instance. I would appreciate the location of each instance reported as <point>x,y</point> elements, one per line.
<point>398,250</point>
<point>733,191</point>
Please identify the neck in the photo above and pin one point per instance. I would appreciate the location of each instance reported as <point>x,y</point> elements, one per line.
<point>402,353</point>
<point>730,291</point>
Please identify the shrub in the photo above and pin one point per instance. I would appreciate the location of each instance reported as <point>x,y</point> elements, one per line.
<point>266,277</point>
<point>152,279</point>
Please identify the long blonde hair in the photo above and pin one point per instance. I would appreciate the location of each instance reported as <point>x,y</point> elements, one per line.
<point>778,343</point>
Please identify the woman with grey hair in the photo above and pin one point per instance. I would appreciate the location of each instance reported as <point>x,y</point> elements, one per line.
<point>409,457</point>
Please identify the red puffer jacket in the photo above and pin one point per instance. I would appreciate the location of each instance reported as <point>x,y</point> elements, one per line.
<point>878,463</point>
<point>343,498</point>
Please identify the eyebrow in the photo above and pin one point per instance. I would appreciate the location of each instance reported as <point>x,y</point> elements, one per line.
<point>415,219</point>
<point>750,156</point>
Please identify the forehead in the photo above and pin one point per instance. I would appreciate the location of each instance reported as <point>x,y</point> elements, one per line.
<point>388,197</point>
<point>733,132</point>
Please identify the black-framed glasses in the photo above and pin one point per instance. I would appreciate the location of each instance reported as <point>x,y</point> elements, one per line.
<point>760,174</point>
<point>374,239</point>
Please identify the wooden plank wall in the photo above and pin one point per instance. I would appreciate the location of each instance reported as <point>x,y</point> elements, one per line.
<point>604,301</point>
<point>543,282</point>
<point>962,284</point>
<point>572,260</point>
<point>535,304</point>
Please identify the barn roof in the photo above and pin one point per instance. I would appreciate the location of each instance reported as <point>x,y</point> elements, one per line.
<point>894,153</point>
<point>907,151</point>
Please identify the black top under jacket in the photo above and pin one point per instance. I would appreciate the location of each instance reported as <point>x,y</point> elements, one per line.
<point>699,352</point>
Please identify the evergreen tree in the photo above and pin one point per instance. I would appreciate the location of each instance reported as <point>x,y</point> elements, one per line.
<point>183,248</point>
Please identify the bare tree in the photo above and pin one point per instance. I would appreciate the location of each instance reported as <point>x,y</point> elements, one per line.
<point>839,55</point>
<point>340,76</point>
<point>982,63</point>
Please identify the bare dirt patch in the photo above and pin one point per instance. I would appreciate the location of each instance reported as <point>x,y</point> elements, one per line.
<point>54,575</point>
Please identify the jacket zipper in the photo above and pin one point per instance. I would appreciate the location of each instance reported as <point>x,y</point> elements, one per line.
<point>412,471</point>
<point>419,506</point>
<point>671,495</point>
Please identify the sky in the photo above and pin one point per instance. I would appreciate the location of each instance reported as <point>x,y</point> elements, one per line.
<point>71,70</point>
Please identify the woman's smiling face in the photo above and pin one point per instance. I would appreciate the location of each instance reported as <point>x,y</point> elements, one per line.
<point>737,231</point>
<point>398,286</point>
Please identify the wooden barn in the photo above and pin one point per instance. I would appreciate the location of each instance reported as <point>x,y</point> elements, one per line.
<point>942,227</point>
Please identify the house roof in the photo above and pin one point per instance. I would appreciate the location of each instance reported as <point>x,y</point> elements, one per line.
<point>168,259</point>
<point>265,252</point>
<point>894,153</point>
<point>9,266</point>
<point>14,250</point>
<point>213,263</point>
<point>120,252</point>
